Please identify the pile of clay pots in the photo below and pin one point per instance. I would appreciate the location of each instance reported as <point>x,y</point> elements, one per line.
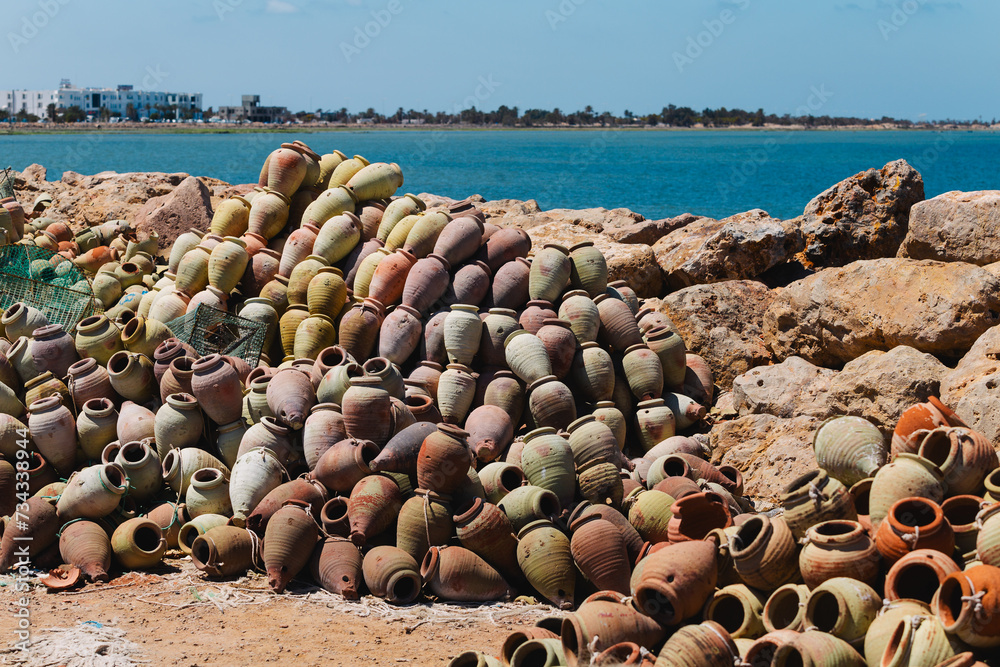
<point>442,410</point>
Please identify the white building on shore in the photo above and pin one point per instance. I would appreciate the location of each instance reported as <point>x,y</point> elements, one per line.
<point>92,100</point>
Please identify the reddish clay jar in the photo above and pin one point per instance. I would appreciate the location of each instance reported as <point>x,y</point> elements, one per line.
<point>359,326</point>
<point>914,523</point>
<point>560,343</point>
<point>598,548</point>
<point>444,460</point>
<point>53,350</point>
<point>426,282</point>
<point>503,247</point>
<point>618,325</point>
<point>216,385</point>
<point>510,284</point>
<point>389,278</point>
<point>696,515</point>
<point>534,315</point>
<point>367,410</point>
<point>838,548</point>
<point>918,575</point>
<point>288,543</point>
<point>290,396</point>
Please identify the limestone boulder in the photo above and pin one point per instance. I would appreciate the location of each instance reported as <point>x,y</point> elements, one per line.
<point>721,322</point>
<point>862,217</point>
<point>740,247</point>
<point>650,231</point>
<point>879,386</point>
<point>187,206</point>
<point>955,227</point>
<point>770,452</point>
<point>790,389</point>
<point>838,314</point>
<point>972,389</point>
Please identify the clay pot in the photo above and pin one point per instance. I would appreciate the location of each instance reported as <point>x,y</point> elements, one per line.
<point>459,239</point>
<point>503,247</point>
<point>401,452</point>
<point>138,544</point>
<point>921,417</point>
<point>918,575</point>
<point>490,432</point>
<point>469,285</point>
<point>550,271</point>
<point>599,550</point>
<point>179,465</point>
<point>20,319</point>
<point>53,431</point>
<point>526,355</point>
<point>603,620</point>
<point>644,372</point>
<point>396,210</point>
<point>618,325</point>
<point>765,553</point>
<point>533,317</point>
<point>422,235</point>
<point>849,448</point>
<point>432,347</point>
<point>462,333</point>
<point>288,327</point>
<point>400,334</point>
<point>817,648</point>
<point>560,345</point>
<point>389,277</point>
<point>37,531</point>
<point>43,386</point>
<point>298,246</point>
<point>592,442</point>
<point>223,551</point>
<point>551,403</point>
<point>345,464</point>
<point>336,566</point>
<point>988,540</point>
<point>269,214</point>
<point>288,543</point>
<point>964,456</point>
<point>649,512</point>
<point>813,498</point>
<point>543,652</point>
<point>324,427</point>
<point>392,574</point>
<point>695,515</point>
<point>669,348</point>
<point>96,426</point>
<point>510,284</point>
<point>914,523</point>
<point>53,350</point>
<point>86,545</point>
<point>881,630</point>
<point>177,378</point>
<point>132,376</point>
<point>301,277</point>
<point>89,380</point>
<point>484,529</point>
<point>186,242</point>
<point>908,475</point>
<point>456,392</point>
<point>377,180</point>
<point>359,328</point>
<point>216,385</point>
<point>676,581</point>
<point>738,609</point>
<point>286,169</point>
<point>838,548</point>
<point>208,493</point>
<point>367,410</point>
<point>968,605</point>
<point>785,608</point>
<point>97,337</point>
<point>545,557</point>
<point>254,475</point>
<point>374,505</point>
<point>458,574</point>
<point>263,267</point>
<point>166,352</point>
<point>142,468</point>
<point>306,490</point>
<point>312,335</point>
<point>842,607</point>
<point>547,462</point>
<point>444,459</point>
<point>135,422</point>
<point>655,422</point>
<point>167,306</point>
<point>505,392</point>
<point>92,493</point>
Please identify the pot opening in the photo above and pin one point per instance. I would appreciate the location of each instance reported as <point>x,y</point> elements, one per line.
<point>834,528</point>
<point>376,365</point>
<point>936,447</point>
<point>511,478</point>
<point>183,364</point>
<point>762,652</point>
<point>914,512</point>
<point>790,657</point>
<point>653,603</point>
<point>861,497</point>
<point>334,510</point>
<point>133,452</point>
<point>729,612</point>
<point>548,505</point>
<point>782,609</point>
<point>146,538</point>
<point>201,553</point>
<point>950,604</point>
<point>675,467</point>
<point>961,511</point>
<point>130,327</point>
<point>534,655</point>
<point>749,532</point>
<point>405,588</point>
<point>118,362</point>
<point>205,475</point>
<point>802,481</point>
<point>917,581</point>
<point>188,536</point>
<point>114,475</point>
<point>570,640</point>
<point>823,611</point>
<point>895,641</point>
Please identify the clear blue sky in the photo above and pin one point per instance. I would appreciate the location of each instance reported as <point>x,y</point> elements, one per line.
<point>909,59</point>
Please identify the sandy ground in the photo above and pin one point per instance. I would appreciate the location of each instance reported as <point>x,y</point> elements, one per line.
<point>175,616</point>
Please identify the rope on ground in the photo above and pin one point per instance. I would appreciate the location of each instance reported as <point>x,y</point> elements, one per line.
<point>86,645</point>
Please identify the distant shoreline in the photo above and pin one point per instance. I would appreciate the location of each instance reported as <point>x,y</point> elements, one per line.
<point>310,128</point>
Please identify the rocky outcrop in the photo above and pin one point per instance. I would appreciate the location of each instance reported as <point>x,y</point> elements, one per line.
<point>839,314</point>
<point>770,451</point>
<point>740,247</point>
<point>651,231</point>
<point>793,387</point>
<point>722,323</point>
<point>879,386</point>
<point>633,262</point>
<point>188,206</point>
<point>862,217</point>
<point>955,227</point>
<point>973,388</point>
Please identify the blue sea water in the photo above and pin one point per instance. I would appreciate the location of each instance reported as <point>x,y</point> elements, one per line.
<point>658,174</point>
